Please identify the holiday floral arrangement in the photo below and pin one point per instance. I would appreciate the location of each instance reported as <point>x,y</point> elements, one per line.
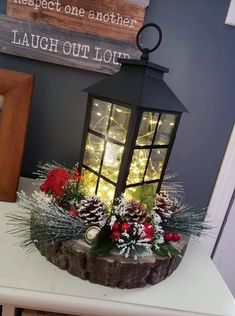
<point>143,224</point>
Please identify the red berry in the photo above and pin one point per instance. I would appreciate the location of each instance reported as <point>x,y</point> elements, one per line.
<point>167,237</point>
<point>116,235</point>
<point>125,227</point>
<point>115,226</point>
<point>76,176</point>
<point>176,237</point>
<point>73,212</point>
<point>149,231</point>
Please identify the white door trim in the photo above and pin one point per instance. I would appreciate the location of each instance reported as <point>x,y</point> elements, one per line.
<point>230,19</point>
<point>222,195</point>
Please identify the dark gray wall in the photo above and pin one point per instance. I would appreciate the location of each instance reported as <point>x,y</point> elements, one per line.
<point>198,48</point>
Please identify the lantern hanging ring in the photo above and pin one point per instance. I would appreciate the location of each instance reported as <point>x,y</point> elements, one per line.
<point>146,51</point>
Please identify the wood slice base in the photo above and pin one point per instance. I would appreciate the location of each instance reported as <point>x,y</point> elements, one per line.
<point>113,270</point>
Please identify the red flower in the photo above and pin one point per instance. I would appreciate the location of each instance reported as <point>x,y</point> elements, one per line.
<point>55,181</point>
<point>149,231</point>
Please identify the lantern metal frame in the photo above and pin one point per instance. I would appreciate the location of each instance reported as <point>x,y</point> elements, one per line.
<point>139,75</point>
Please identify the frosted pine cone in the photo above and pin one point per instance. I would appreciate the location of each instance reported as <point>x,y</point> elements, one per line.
<point>135,212</point>
<point>92,211</point>
<point>163,205</point>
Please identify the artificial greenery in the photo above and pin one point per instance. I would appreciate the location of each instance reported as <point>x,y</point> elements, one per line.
<point>73,194</point>
<point>145,195</point>
<point>103,244</point>
<point>188,222</point>
<point>43,221</point>
<point>166,250</point>
<point>135,227</point>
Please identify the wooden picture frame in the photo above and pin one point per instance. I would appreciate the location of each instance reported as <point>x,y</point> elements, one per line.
<point>16,91</point>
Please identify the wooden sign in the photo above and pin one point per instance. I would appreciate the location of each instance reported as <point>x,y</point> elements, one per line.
<point>86,34</point>
<point>62,47</point>
<point>116,19</point>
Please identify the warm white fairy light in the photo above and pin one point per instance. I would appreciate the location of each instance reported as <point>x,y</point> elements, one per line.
<point>145,135</point>
<point>110,194</point>
<point>112,161</point>
<point>121,111</point>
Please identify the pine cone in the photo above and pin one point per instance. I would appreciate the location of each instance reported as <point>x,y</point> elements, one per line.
<point>92,211</point>
<point>163,205</point>
<point>135,212</point>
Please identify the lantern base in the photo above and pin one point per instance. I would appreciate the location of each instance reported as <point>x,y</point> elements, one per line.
<point>113,270</point>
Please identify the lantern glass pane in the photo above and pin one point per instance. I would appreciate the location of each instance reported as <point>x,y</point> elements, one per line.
<point>165,129</point>
<point>100,116</point>
<point>93,152</point>
<point>89,181</point>
<point>112,161</point>
<point>106,191</point>
<point>138,165</point>
<point>147,128</point>
<point>155,165</point>
<point>119,123</point>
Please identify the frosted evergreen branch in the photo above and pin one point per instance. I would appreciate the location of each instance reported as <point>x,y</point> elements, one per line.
<point>43,168</point>
<point>172,187</point>
<point>188,222</point>
<point>43,221</point>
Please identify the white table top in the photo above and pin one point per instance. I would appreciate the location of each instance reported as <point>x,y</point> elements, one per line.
<point>28,280</point>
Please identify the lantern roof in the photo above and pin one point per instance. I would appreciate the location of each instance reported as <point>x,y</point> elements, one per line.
<point>138,83</point>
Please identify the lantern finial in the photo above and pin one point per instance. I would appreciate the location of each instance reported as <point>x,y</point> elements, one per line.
<point>144,50</point>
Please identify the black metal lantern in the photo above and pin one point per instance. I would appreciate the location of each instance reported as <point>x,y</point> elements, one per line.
<point>131,122</point>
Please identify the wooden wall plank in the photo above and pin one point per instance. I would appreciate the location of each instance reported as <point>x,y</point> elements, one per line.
<point>119,19</point>
<point>47,43</point>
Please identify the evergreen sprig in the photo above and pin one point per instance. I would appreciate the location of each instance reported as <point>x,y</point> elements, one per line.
<point>73,194</point>
<point>44,167</point>
<point>43,221</point>
<point>190,222</point>
<point>172,187</point>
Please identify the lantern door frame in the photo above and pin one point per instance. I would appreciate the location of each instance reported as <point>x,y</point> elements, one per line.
<point>129,145</point>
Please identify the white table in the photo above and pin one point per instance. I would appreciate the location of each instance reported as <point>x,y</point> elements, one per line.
<point>29,281</point>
